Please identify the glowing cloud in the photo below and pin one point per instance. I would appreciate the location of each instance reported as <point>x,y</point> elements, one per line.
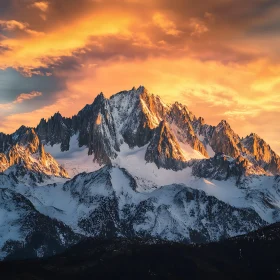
<point>27,96</point>
<point>20,99</point>
<point>43,6</point>
<point>13,25</point>
<point>168,26</point>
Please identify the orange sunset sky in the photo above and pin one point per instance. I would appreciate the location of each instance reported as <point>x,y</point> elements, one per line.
<point>219,57</point>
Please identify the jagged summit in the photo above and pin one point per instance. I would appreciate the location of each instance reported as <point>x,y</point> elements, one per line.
<point>262,153</point>
<point>135,91</point>
<point>140,168</point>
<point>224,123</point>
<point>255,135</point>
<point>133,117</point>
<point>24,148</point>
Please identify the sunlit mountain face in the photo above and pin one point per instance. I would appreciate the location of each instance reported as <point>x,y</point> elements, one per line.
<point>220,58</point>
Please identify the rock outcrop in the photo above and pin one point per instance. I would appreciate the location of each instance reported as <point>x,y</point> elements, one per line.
<point>262,153</point>
<point>181,119</point>
<point>57,130</point>
<point>223,167</point>
<point>164,149</point>
<point>26,150</point>
<point>225,140</point>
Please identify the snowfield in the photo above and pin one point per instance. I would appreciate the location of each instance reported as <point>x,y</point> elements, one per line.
<point>76,160</point>
<point>149,178</point>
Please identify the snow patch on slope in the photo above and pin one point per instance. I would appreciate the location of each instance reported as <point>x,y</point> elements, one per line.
<point>188,152</point>
<point>76,160</point>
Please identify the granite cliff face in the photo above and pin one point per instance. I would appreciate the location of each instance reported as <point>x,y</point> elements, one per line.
<point>262,153</point>
<point>96,130</point>
<point>181,119</point>
<point>225,140</point>
<point>164,149</point>
<point>56,130</point>
<point>222,167</point>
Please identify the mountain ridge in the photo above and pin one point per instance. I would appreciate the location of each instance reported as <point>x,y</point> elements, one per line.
<point>133,116</point>
<point>141,168</point>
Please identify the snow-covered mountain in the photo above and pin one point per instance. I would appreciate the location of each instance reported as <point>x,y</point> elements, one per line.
<point>138,118</point>
<point>26,233</point>
<point>141,168</point>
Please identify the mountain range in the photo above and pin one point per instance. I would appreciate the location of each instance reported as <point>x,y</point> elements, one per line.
<point>132,166</point>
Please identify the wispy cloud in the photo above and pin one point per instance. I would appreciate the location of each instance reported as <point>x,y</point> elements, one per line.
<point>20,99</point>
<point>198,27</point>
<point>167,25</point>
<point>42,5</point>
<point>27,96</point>
<point>14,25</point>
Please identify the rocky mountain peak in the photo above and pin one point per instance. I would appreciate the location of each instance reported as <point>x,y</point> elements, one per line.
<point>201,121</point>
<point>225,140</point>
<point>55,130</point>
<point>99,98</point>
<point>134,117</point>
<point>164,149</point>
<point>57,116</point>
<point>254,135</point>
<point>181,120</point>
<point>30,139</point>
<point>27,150</point>
<point>142,89</point>
<point>223,124</point>
<point>262,153</point>
<point>183,109</point>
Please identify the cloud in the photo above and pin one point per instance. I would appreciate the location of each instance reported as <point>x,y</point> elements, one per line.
<point>13,25</point>
<point>4,48</point>
<point>210,17</point>
<point>20,99</point>
<point>29,71</point>
<point>43,6</point>
<point>27,96</point>
<point>168,26</point>
<point>242,113</point>
<point>162,27</point>
<point>198,27</point>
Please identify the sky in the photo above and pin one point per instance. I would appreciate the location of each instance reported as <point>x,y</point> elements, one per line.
<point>221,58</point>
